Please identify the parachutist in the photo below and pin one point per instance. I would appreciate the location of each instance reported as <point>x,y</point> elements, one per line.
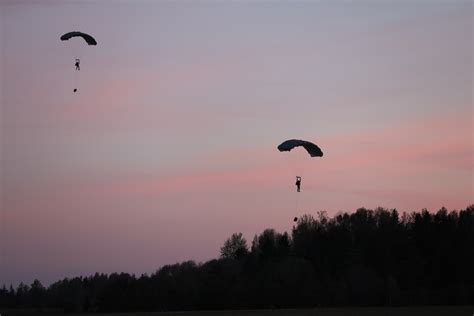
<point>295,219</point>
<point>86,37</point>
<point>312,149</point>
<point>298,183</point>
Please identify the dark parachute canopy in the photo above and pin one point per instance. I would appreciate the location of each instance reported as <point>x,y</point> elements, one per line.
<point>89,39</point>
<point>311,148</point>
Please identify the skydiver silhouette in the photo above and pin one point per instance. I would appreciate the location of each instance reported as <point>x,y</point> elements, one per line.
<point>298,183</point>
<point>77,64</point>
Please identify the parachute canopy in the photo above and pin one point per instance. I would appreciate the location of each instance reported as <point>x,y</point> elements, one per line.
<point>311,148</point>
<point>89,39</point>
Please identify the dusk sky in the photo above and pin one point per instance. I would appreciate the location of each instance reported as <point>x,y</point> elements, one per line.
<point>169,145</point>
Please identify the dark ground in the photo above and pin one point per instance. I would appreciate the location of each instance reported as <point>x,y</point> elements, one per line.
<point>356,311</point>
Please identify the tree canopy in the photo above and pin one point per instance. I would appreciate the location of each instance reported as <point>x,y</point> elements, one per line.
<point>369,257</point>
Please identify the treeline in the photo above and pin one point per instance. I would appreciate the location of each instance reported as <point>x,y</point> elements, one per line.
<point>370,257</point>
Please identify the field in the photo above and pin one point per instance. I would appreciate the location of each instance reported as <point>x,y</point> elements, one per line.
<point>369,311</point>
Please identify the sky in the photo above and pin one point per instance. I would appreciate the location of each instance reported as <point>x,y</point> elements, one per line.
<point>169,145</point>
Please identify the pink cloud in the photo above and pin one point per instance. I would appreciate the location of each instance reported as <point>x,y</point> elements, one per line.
<point>394,154</point>
<point>151,97</point>
<point>445,138</point>
<point>414,159</point>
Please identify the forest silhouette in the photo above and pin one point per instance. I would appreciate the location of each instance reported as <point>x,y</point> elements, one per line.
<point>369,257</point>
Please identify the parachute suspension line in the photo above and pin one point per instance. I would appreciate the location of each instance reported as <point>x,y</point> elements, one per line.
<point>76,79</point>
<point>297,200</point>
<point>291,171</point>
<point>78,56</point>
<point>290,166</point>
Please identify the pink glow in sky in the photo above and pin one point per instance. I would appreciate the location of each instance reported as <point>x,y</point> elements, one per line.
<point>169,146</point>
